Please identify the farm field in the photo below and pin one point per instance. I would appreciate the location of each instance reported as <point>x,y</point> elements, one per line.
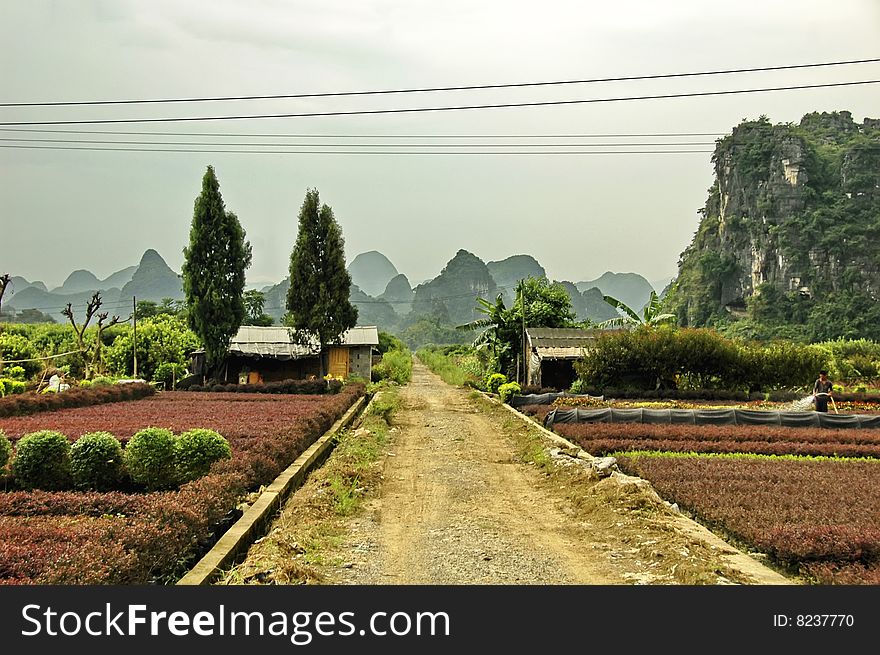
<point>819,516</point>
<point>121,537</point>
<point>805,497</point>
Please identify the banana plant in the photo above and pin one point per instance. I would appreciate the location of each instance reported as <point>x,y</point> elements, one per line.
<point>651,314</point>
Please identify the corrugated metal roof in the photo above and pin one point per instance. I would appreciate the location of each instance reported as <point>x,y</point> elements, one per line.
<point>561,337</point>
<point>560,353</point>
<point>275,342</point>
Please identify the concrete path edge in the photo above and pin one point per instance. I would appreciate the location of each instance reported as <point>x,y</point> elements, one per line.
<point>252,524</point>
<point>735,557</point>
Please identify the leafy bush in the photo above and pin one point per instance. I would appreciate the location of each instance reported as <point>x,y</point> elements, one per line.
<point>16,372</point>
<point>169,373</point>
<point>495,380</point>
<point>5,449</point>
<point>102,381</point>
<point>42,461</point>
<point>10,387</point>
<point>150,458</point>
<point>196,450</point>
<point>665,358</point>
<point>396,366</point>
<point>506,391</point>
<point>16,346</point>
<point>161,339</point>
<point>96,461</point>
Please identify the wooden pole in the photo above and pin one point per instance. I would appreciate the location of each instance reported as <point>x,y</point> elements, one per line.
<point>134,329</point>
<point>522,300</point>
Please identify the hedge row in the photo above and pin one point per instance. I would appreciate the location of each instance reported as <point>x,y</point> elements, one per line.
<point>284,386</point>
<point>31,403</point>
<point>114,538</point>
<point>154,459</point>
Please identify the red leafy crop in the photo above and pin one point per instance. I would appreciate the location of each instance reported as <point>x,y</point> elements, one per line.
<point>118,538</point>
<point>603,438</point>
<point>823,516</point>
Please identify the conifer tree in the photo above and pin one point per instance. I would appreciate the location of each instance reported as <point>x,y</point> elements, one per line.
<point>213,272</point>
<point>318,298</point>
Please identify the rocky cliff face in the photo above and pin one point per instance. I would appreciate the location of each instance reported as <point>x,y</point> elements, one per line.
<point>792,223</point>
<point>464,278</point>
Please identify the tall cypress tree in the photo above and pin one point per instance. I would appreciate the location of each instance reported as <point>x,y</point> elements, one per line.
<point>213,272</point>
<point>318,298</point>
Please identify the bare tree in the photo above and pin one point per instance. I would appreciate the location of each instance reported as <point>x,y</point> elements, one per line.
<point>5,281</point>
<point>92,307</point>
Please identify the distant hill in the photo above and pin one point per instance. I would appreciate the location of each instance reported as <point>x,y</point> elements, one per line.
<point>371,272</point>
<point>120,278</point>
<point>589,304</point>
<point>454,291</point>
<point>52,303</point>
<point>372,311</point>
<point>508,272</point>
<point>79,281</point>
<point>275,303</point>
<point>631,288</point>
<point>153,280</point>
<point>84,280</point>
<point>20,284</point>
<point>399,294</point>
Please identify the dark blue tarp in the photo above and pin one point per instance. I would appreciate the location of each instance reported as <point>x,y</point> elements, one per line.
<point>547,398</point>
<point>658,416</point>
<point>626,415</point>
<point>715,416</point>
<point>711,417</point>
<point>534,399</point>
<point>757,417</point>
<point>838,420</point>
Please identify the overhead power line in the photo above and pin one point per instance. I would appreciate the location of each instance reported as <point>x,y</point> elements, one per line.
<point>283,135</point>
<point>411,110</point>
<point>471,87</point>
<point>361,145</point>
<point>360,152</point>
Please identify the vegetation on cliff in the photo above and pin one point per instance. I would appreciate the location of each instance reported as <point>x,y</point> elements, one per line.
<point>789,239</point>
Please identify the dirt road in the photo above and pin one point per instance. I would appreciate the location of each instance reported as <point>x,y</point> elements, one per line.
<point>459,506</point>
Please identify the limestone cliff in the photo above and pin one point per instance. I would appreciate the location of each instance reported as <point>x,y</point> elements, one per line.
<point>790,233</point>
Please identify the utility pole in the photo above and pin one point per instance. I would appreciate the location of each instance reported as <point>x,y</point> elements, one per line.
<point>134,329</point>
<point>522,300</point>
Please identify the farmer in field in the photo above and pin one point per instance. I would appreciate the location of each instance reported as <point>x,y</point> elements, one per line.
<point>822,391</point>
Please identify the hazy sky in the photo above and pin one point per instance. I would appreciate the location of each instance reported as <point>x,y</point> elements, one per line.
<point>579,215</point>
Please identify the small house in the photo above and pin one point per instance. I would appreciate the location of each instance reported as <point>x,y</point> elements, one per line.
<point>268,354</point>
<point>552,352</point>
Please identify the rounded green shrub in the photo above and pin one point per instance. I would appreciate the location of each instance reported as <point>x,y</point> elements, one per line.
<point>42,461</point>
<point>96,461</point>
<point>507,391</point>
<point>169,373</point>
<point>5,449</point>
<point>16,372</point>
<point>495,380</point>
<point>102,381</point>
<point>149,458</point>
<point>195,450</point>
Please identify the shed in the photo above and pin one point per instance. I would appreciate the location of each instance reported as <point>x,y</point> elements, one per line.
<point>552,353</point>
<point>266,354</point>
